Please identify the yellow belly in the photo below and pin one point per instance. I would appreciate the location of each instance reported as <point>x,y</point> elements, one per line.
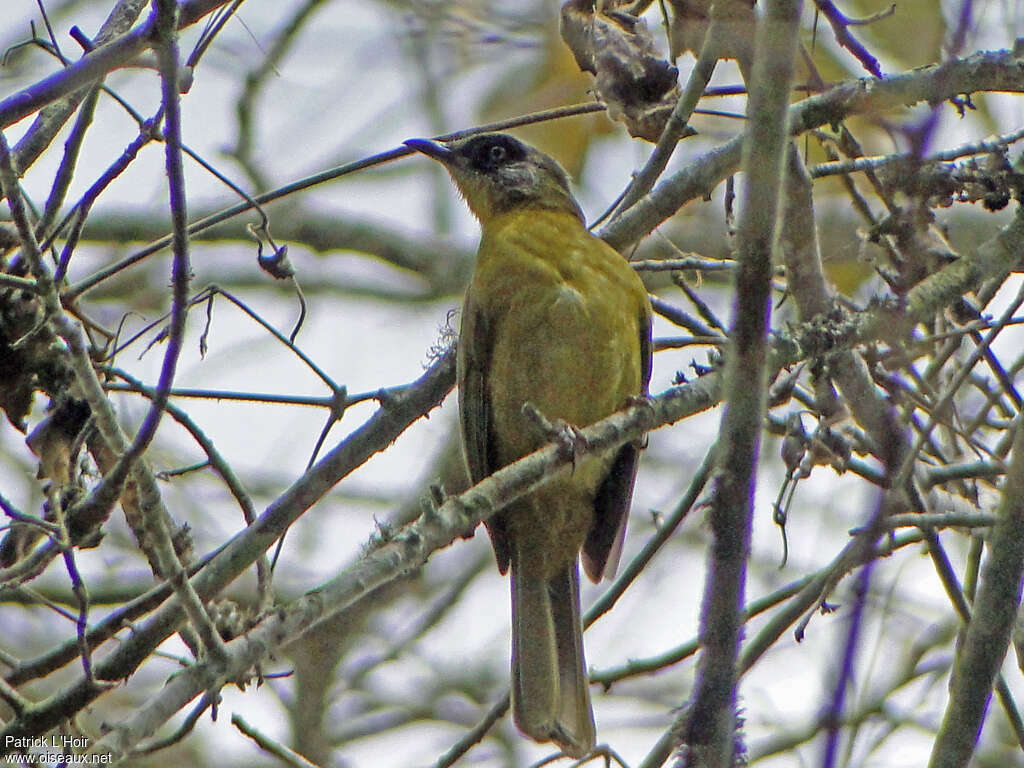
<point>564,326</point>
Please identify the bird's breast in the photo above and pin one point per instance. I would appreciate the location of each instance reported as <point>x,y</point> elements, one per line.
<point>563,315</point>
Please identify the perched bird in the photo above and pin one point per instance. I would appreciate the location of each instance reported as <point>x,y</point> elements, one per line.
<point>555,318</point>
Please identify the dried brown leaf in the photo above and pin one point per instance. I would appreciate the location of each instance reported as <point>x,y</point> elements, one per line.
<point>735,21</point>
<point>639,87</point>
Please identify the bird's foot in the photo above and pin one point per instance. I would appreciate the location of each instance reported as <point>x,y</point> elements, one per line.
<point>645,402</point>
<point>638,400</point>
<point>570,439</point>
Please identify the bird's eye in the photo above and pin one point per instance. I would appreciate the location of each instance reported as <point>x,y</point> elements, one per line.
<point>497,153</point>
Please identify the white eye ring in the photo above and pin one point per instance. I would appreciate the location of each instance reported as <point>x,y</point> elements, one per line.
<point>497,153</point>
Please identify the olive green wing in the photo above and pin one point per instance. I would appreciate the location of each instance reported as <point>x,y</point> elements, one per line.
<point>603,545</point>
<point>473,366</point>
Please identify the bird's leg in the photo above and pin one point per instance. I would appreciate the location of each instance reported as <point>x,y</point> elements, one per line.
<point>645,401</point>
<point>569,438</point>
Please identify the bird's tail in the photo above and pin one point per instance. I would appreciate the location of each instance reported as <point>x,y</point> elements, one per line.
<point>550,697</point>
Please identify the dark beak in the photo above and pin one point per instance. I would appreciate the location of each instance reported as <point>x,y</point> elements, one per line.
<point>432,149</point>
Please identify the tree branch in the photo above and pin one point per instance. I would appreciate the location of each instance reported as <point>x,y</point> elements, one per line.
<point>985,71</point>
<point>711,728</point>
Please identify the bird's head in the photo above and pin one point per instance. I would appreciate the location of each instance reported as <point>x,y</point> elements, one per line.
<point>496,173</point>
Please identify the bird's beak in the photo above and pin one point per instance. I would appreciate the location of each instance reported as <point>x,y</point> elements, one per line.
<point>432,149</point>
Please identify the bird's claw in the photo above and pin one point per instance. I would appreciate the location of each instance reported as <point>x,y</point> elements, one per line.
<point>570,439</point>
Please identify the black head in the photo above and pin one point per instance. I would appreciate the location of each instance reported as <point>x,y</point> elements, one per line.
<point>496,172</point>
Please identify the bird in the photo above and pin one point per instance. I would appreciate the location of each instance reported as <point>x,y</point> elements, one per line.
<point>555,322</point>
